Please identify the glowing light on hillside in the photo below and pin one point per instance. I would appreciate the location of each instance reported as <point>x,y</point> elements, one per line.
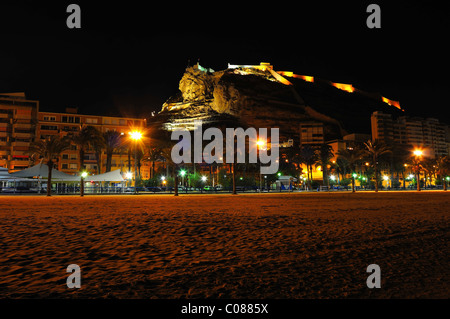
<point>391,102</point>
<point>292,75</point>
<point>345,87</point>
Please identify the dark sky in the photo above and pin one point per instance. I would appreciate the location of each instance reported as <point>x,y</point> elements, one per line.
<point>129,56</point>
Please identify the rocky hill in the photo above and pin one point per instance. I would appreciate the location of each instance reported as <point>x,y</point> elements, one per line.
<point>257,96</point>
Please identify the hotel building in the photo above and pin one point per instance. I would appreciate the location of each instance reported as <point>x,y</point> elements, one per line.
<point>427,133</point>
<point>21,123</point>
<point>17,130</point>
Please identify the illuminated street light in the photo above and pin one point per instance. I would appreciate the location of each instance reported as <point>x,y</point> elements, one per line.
<point>204,178</point>
<point>83,176</point>
<point>418,152</point>
<point>182,173</point>
<point>261,146</point>
<point>136,136</point>
<point>129,175</point>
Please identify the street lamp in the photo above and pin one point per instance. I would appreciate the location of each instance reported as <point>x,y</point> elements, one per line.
<point>128,176</point>
<point>182,173</point>
<point>83,176</point>
<point>136,136</point>
<point>203,180</point>
<point>386,178</point>
<point>418,152</point>
<point>261,144</point>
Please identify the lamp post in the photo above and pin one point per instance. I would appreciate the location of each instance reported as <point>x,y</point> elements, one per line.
<point>182,173</point>
<point>83,176</point>
<point>261,146</point>
<point>136,136</point>
<point>418,154</point>
<point>128,176</point>
<point>203,180</point>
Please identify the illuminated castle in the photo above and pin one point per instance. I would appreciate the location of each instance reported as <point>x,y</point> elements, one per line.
<point>259,96</point>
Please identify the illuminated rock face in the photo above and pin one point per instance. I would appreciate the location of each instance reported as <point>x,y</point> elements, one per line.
<point>196,85</point>
<point>257,96</point>
<point>252,97</point>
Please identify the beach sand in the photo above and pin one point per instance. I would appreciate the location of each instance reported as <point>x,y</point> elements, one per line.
<point>315,245</point>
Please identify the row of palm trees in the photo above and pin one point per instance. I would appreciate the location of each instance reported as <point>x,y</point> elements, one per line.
<point>375,155</point>
<point>88,138</point>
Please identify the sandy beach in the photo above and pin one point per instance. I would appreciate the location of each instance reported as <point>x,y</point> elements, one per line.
<point>315,245</point>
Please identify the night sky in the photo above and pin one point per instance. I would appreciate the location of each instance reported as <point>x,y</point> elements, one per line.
<point>128,57</point>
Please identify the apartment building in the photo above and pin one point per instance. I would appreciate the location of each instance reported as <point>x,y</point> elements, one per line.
<point>22,123</point>
<point>427,133</point>
<point>17,130</point>
<point>311,133</point>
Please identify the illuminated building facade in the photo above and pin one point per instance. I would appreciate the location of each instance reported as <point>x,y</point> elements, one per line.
<point>21,123</point>
<point>427,133</point>
<point>63,124</point>
<point>17,130</point>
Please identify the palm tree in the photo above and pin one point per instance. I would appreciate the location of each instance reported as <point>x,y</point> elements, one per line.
<point>399,158</point>
<point>49,149</point>
<point>113,142</point>
<point>86,136</point>
<point>374,150</point>
<point>443,169</point>
<point>153,154</point>
<point>98,144</point>
<point>309,158</point>
<point>353,157</point>
<point>429,167</point>
<point>166,153</point>
<point>324,155</point>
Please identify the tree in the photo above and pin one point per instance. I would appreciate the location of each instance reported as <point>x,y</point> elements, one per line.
<point>374,150</point>
<point>85,137</point>
<point>443,169</point>
<point>113,142</point>
<point>353,158</point>
<point>166,153</point>
<point>308,156</point>
<point>429,167</point>
<point>400,155</point>
<point>49,149</point>
<point>153,154</point>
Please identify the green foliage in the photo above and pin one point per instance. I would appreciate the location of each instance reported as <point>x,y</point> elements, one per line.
<point>345,181</point>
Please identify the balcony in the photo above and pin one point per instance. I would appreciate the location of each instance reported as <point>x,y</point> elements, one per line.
<point>22,135</point>
<point>15,144</point>
<point>20,163</point>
